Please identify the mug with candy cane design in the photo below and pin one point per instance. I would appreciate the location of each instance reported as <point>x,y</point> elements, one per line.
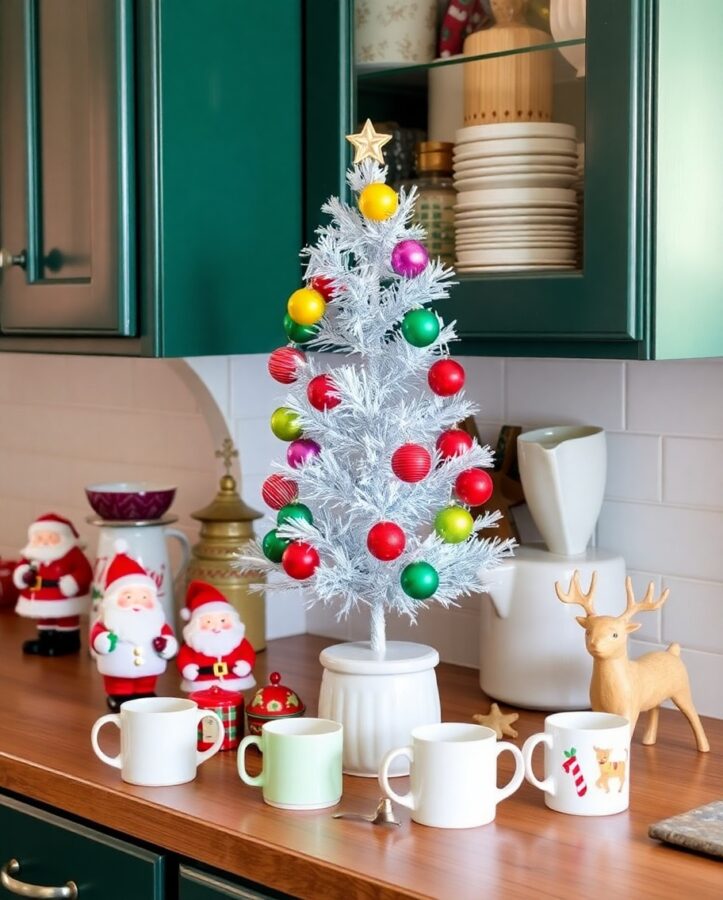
<point>587,763</point>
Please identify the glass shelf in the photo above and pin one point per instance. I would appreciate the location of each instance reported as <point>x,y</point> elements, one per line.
<point>369,72</point>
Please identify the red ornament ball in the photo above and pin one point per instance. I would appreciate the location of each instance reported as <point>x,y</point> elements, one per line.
<point>454,442</point>
<point>474,487</point>
<point>446,377</point>
<point>323,286</point>
<point>411,462</point>
<point>278,491</point>
<point>300,560</point>
<point>386,541</point>
<point>322,393</point>
<point>284,363</point>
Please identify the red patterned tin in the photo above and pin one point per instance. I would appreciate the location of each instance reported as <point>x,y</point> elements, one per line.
<point>229,706</point>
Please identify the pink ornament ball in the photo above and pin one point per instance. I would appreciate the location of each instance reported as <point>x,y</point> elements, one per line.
<point>300,560</point>
<point>411,462</point>
<point>474,487</point>
<point>386,541</point>
<point>409,259</point>
<point>278,491</point>
<point>301,452</point>
<point>284,363</point>
<point>454,442</point>
<point>322,393</point>
<point>446,377</point>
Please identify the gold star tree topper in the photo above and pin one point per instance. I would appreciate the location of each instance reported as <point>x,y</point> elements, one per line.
<point>368,143</point>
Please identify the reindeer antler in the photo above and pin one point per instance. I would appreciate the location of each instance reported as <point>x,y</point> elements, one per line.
<point>576,593</point>
<point>647,604</point>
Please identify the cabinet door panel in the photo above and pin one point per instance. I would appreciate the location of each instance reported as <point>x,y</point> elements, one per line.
<point>67,166</point>
<point>196,885</point>
<point>52,851</point>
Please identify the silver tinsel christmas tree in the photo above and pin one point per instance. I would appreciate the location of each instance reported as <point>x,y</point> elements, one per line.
<point>374,498</point>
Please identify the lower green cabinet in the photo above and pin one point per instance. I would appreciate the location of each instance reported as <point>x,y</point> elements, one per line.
<point>41,849</point>
<point>197,885</point>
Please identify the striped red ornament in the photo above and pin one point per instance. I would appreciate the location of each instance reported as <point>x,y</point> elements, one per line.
<point>323,286</point>
<point>411,462</point>
<point>572,766</point>
<point>283,364</point>
<point>278,491</point>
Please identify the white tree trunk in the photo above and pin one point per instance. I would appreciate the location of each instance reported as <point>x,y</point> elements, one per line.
<point>378,631</point>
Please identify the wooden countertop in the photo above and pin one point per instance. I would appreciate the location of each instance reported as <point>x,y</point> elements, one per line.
<point>49,706</point>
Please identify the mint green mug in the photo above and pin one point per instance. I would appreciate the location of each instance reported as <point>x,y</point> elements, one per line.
<point>301,765</point>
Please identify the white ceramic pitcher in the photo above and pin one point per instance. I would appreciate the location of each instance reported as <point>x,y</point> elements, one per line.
<point>146,543</point>
<point>563,469</point>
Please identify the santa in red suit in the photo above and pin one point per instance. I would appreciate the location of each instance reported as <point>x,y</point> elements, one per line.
<point>131,637</point>
<point>53,579</point>
<point>215,651</point>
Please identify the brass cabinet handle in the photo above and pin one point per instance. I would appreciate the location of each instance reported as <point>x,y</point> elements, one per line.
<point>69,891</point>
<point>8,259</point>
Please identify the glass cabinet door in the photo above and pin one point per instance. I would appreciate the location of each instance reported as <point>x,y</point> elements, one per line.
<point>522,124</point>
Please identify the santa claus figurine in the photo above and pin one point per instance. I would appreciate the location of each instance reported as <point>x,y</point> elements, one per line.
<point>53,580</point>
<point>131,636</point>
<point>215,651</point>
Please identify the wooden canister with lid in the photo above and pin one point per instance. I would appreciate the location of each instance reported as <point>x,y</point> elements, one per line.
<point>516,88</point>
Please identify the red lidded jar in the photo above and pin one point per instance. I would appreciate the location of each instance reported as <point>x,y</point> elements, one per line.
<point>229,706</point>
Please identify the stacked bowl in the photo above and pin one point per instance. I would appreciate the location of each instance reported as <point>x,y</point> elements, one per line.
<point>517,207</point>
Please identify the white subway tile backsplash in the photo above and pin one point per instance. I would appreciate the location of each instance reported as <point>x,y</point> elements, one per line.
<point>649,622</point>
<point>254,393</point>
<point>705,671</point>
<point>693,471</point>
<point>676,397</point>
<point>257,445</point>
<point>666,539</point>
<point>484,385</point>
<point>633,471</point>
<point>557,392</point>
<point>693,614</point>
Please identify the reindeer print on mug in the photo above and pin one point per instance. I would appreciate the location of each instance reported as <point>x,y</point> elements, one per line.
<point>610,769</point>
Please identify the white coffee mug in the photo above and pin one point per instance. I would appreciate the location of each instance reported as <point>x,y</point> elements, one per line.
<point>587,763</point>
<point>453,775</point>
<point>158,740</point>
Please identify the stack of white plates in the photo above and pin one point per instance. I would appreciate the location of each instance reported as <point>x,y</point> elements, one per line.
<point>516,201</point>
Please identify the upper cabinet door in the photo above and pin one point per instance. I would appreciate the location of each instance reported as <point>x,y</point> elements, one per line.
<point>67,167</point>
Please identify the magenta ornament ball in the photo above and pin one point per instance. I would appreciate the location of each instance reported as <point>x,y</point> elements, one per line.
<point>301,452</point>
<point>409,259</point>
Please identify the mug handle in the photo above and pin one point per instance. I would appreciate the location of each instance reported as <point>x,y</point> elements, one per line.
<point>114,761</point>
<point>548,785</point>
<point>519,773</point>
<point>185,550</point>
<point>203,755</point>
<point>402,799</point>
<point>253,780</point>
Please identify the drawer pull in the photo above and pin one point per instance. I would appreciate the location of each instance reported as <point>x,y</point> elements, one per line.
<point>69,891</point>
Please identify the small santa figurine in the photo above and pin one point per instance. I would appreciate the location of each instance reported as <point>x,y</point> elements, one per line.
<point>53,580</point>
<point>131,636</point>
<point>215,651</point>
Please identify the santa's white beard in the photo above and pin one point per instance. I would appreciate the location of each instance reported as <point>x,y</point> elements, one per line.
<point>211,644</point>
<point>136,627</point>
<point>47,554</point>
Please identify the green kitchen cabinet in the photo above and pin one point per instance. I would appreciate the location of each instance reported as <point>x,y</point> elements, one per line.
<point>44,850</point>
<point>195,884</point>
<point>150,174</point>
<point>651,282</point>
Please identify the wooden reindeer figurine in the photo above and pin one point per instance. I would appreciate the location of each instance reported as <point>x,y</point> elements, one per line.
<point>628,687</point>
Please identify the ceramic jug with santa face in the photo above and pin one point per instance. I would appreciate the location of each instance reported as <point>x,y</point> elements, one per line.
<point>147,544</point>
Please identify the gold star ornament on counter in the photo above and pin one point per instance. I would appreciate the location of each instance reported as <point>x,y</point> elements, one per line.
<point>368,143</point>
<point>499,722</point>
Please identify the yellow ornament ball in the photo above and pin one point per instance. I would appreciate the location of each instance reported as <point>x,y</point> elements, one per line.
<point>378,202</point>
<point>306,306</point>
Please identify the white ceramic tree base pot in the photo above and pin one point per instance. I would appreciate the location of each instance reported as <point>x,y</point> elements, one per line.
<point>378,701</point>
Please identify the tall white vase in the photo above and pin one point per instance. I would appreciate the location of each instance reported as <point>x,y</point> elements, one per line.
<point>378,701</point>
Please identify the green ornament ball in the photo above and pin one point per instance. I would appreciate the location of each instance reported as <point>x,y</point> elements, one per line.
<point>419,580</point>
<point>420,327</point>
<point>299,334</point>
<point>274,546</point>
<point>294,511</point>
<point>285,424</point>
<point>453,524</point>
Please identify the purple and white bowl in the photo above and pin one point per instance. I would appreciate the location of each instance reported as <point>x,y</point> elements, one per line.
<point>130,500</point>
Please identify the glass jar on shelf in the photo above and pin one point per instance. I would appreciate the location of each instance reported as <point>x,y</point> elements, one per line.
<point>436,198</point>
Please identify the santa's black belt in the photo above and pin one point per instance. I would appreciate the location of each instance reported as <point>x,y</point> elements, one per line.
<point>219,669</point>
<point>41,583</point>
